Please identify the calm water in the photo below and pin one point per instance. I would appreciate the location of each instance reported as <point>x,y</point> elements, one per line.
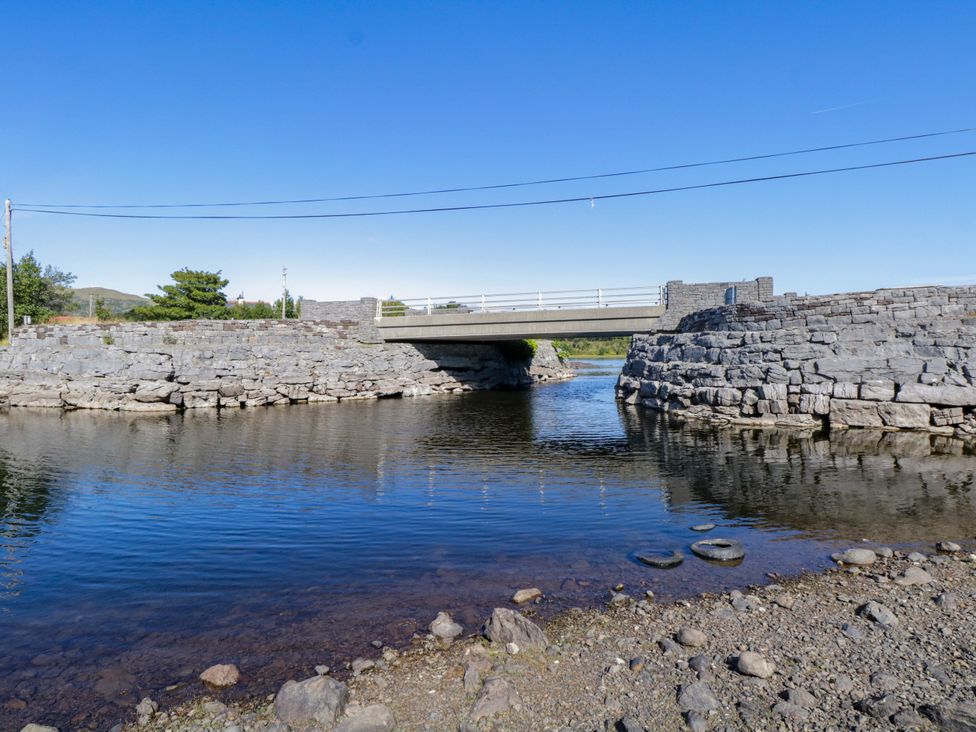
<point>138,550</point>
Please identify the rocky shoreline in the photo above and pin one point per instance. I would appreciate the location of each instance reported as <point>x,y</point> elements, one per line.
<point>885,641</point>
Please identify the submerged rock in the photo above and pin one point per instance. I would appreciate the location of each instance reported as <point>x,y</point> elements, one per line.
<point>221,675</point>
<point>508,626</point>
<point>526,595</point>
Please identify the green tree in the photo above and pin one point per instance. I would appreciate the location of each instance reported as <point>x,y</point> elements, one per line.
<point>292,310</point>
<point>193,294</point>
<point>253,311</point>
<point>39,292</point>
<point>102,312</point>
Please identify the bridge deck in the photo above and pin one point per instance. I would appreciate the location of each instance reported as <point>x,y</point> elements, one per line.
<point>513,325</point>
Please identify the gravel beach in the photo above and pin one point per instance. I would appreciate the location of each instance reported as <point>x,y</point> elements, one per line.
<point>885,641</point>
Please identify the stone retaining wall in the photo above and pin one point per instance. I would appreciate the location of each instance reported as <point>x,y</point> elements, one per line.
<point>890,359</point>
<point>210,364</point>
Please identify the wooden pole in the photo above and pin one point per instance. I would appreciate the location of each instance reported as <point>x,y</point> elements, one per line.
<point>8,239</point>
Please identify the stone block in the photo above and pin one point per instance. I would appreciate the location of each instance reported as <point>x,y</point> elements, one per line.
<point>942,395</point>
<point>772,391</point>
<point>855,413</point>
<point>904,416</point>
<point>845,390</point>
<point>878,390</point>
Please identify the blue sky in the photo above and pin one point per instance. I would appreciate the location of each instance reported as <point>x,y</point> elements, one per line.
<point>122,102</point>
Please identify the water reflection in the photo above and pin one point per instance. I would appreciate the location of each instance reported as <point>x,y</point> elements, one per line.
<point>139,549</point>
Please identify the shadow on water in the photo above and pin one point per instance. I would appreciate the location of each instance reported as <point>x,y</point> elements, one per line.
<point>137,550</point>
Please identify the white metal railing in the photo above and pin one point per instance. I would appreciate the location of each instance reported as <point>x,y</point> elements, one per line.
<point>513,301</point>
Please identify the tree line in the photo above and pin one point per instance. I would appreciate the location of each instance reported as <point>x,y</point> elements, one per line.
<point>42,292</point>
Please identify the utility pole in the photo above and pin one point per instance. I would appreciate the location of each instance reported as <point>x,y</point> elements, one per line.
<point>284,290</point>
<point>91,305</point>
<point>8,240</point>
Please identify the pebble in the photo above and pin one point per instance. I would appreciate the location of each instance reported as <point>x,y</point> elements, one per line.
<point>443,626</point>
<point>751,663</point>
<point>948,547</point>
<point>785,601</point>
<point>512,648</point>
<point>669,646</point>
<point>696,721</point>
<point>691,637</point>
<point>947,600</point>
<point>322,670</point>
<point>637,664</point>
<point>917,557</point>
<point>360,665</point>
<point>526,595</point>
<point>791,711</point>
<point>883,681</point>
<point>377,644</point>
<point>879,707</point>
<point>703,527</point>
<point>800,697</point>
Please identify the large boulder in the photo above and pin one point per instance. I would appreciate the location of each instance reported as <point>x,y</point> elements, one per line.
<point>508,626</point>
<point>319,699</point>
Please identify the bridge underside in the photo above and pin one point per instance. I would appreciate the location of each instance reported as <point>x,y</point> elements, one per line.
<point>515,325</point>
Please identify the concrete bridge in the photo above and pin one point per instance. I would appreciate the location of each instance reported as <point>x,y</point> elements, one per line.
<point>561,314</point>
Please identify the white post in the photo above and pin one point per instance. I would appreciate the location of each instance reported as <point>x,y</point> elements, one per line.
<point>430,306</point>
<point>284,290</point>
<point>540,301</point>
<point>599,298</point>
<point>482,303</point>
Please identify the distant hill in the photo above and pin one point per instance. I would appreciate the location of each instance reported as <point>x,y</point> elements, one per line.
<point>116,302</point>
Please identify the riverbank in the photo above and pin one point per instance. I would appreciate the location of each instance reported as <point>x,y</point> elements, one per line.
<point>859,647</point>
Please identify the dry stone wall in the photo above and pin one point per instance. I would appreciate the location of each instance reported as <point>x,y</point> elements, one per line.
<point>211,364</point>
<point>890,359</point>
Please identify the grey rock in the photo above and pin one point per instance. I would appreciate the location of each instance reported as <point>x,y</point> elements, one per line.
<point>883,681</point>
<point>374,718</point>
<point>497,696</point>
<point>319,699</point>
<point>878,613</point>
<point>361,665</point>
<point>628,724</point>
<point>750,663</point>
<point>32,727</point>
<point>669,646</point>
<point>696,721</point>
<point>949,547</point>
<point>879,707</point>
<point>855,556</point>
<point>443,626</point>
<point>917,557</point>
<point>697,696</point>
<point>947,601</point>
<point>913,576</point>
<point>800,698</point>
<point>791,711</point>
<point>691,637</point>
<point>951,717</point>
<point>508,626</point>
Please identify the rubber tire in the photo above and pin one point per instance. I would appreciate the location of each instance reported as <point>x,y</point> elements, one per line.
<point>660,561</point>
<point>719,550</point>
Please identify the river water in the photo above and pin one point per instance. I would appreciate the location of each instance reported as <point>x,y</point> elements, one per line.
<point>135,551</point>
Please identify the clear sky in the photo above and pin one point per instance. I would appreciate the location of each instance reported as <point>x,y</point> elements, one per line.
<point>132,102</point>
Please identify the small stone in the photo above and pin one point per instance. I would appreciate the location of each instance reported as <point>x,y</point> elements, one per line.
<point>628,724</point>
<point>913,576</point>
<point>885,552</point>
<point>669,646</point>
<point>498,695</point>
<point>843,684</point>
<point>917,557</point>
<point>322,670</point>
<point>791,711</point>
<point>785,601</point>
<point>699,663</point>
<point>361,665</point>
<point>512,648</point>
<point>145,710</point>
<point>879,707</point>
<point>696,721</point>
<point>703,527</point>
<point>947,601</point>
<point>637,664</point>
<point>883,681</point>
<point>699,697</point>
<point>476,664</point>
<point>752,664</point>
<point>526,595</point>
<point>32,727</point>
<point>221,675</point>
<point>907,719</point>
<point>948,547</point>
<point>800,697</point>
<point>856,556</point>
<point>691,637</point>
<point>377,644</point>
<point>852,631</point>
<point>878,613</point>
<point>374,718</point>
<point>443,626</point>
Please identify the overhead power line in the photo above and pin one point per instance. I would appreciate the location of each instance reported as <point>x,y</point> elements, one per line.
<point>513,204</point>
<point>520,184</point>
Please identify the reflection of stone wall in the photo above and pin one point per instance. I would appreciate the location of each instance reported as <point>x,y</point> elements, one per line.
<point>884,486</point>
<point>892,359</point>
<point>209,364</point>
